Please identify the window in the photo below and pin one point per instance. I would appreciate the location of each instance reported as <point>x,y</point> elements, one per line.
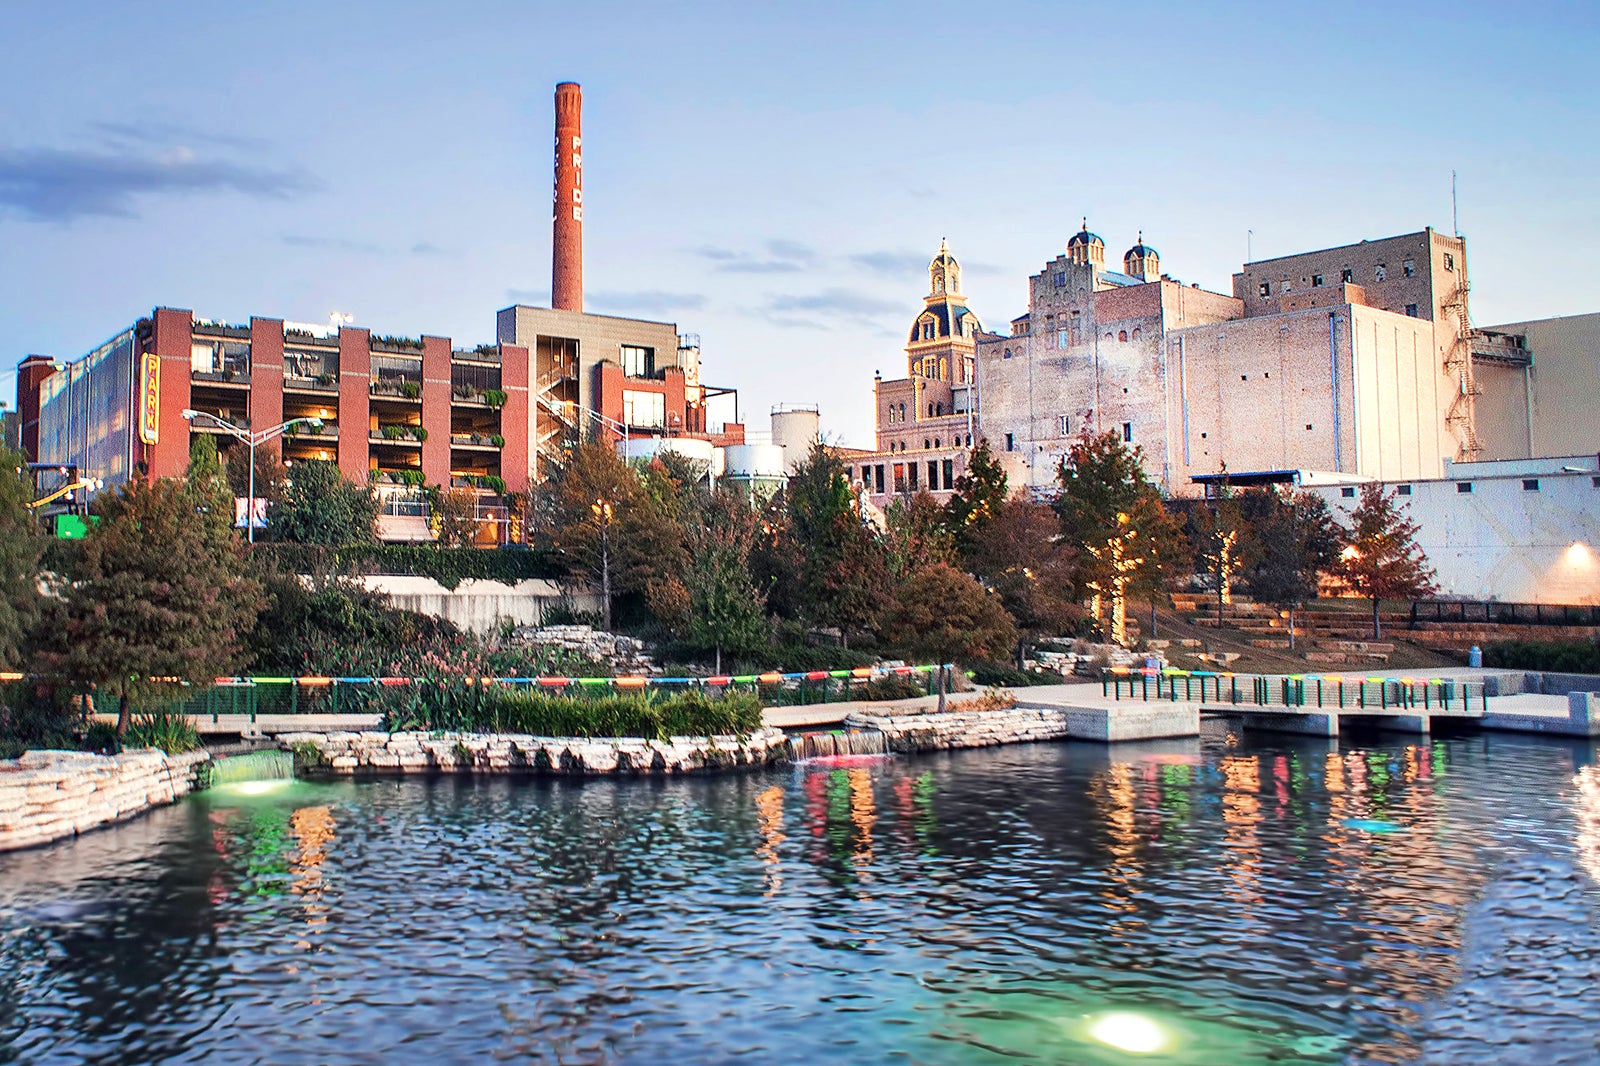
<point>1402,490</point>
<point>1594,481</point>
<point>1287,286</point>
<point>878,476</point>
<point>1061,338</point>
<point>1381,273</point>
<point>1061,426</point>
<point>1266,288</point>
<point>949,473</point>
<point>1348,493</point>
<point>937,443</point>
<point>638,362</point>
<point>899,477</point>
<point>1111,336</point>
<point>902,412</point>
<point>1011,442</point>
<point>969,444</point>
<point>1530,484</point>
<point>1122,335</point>
<point>911,476</point>
<point>1450,262</point>
<point>1061,278</point>
<point>646,409</point>
<point>1411,309</point>
<point>1347,275</point>
<point>1463,486</point>
<point>1137,332</point>
<point>926,444</point>
<point>1316,281</point>
<point>928,328</point>
<point>933,475</point>
<point>1006,354</point>
<point>1308,427</point>
<point>1409,268</point>
<point>1127,431</point>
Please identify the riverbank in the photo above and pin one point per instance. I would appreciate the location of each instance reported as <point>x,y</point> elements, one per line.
<point>47,796</point>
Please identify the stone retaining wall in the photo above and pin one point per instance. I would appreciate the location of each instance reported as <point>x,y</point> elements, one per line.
<point>907,733</point>
<point>342,754</point>
<point>49,795</point>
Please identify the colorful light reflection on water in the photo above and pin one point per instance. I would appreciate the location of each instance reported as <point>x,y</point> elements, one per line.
<point>1217,901</point>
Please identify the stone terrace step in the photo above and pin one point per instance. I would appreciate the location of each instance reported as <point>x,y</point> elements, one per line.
<point>1360,646</point>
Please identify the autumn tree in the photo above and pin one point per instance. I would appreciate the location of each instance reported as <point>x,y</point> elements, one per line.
<point>979,492</point>
<point>1224,544</point>
<point>319,505</point>
<point>726,612</point>
<point>1105,495</point>
<point>1381,558</point>
<point>1297,541</point>
<point>1021,555</point>
<point>940,614</point>
<point>159,596</point>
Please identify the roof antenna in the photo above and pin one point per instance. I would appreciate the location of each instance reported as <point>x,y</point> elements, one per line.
<point>1455,217</point>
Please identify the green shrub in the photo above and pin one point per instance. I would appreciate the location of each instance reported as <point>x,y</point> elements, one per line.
<point>494,483</point>
<point>497,440</point>
<point>894,687</point>
<point>418,433</point>
<point>1556,656</point>
<point>647,715</point>
<point>448,566</point>
<point>411,390</point>
<point>169,731</point>
<point>495,398</point>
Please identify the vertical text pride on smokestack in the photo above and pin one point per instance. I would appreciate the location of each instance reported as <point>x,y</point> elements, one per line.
<point>566,276</point>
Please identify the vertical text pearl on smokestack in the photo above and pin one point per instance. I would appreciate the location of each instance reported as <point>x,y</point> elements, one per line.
<point>566,277</point>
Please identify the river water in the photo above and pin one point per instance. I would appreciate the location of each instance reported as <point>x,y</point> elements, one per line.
<point>1228,900</point>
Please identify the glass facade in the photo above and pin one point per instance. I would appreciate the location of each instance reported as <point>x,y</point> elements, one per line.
<point>86,415</point>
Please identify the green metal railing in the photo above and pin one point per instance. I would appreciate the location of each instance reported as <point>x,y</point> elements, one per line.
<point>1323,692</point>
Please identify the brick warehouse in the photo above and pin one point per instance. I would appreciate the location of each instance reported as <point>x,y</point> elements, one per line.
<point>393,411</point>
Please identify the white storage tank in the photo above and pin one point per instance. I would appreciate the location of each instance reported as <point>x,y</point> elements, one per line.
<point>795,430</point>
<point>756,467</point>
<point>700,451</point>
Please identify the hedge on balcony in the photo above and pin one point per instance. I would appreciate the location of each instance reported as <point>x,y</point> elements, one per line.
<point>448,566</point>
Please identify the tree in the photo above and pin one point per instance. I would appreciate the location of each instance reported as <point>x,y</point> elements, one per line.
<point>1104,496</point>
<point>841,578</point>
<point>1224,544</point>
<point>942,614</point>
<point>1020,554</point>
<point>159,596</point>
<point>916,535</point>
<point>726,612</point>
<point>1298,541</point>
<point>21,546</point>
<point>453,516</point>
<point>319,505</point>
<point>1381,558</point>
<point>979,492</point>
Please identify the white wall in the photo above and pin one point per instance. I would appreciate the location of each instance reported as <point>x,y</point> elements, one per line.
<point>478,606</point>
<point>1504,542</point>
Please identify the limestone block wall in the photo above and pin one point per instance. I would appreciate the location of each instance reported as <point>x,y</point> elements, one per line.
<point>905,733</point>
<point>49,795</point>
<point>345,754</point>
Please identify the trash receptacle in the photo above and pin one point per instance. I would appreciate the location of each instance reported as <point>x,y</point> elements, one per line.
<point>1475,657</point>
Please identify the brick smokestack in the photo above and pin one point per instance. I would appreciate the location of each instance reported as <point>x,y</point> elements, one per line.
<point>566,276</point>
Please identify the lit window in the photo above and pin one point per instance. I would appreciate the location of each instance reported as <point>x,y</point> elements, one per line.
<point>1061,338</point>
<point>645,409</point>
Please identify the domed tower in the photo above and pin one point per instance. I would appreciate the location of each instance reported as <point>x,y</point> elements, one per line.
<point>1086,247</point>
<point>1142,261</point>
<point>943,344</point>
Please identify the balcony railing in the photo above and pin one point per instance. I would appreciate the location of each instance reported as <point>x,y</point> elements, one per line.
<point>320,383</point>
<point>401,388</point>
<point>483,440</point>
<point>312,435</point>
<point>227,375</point>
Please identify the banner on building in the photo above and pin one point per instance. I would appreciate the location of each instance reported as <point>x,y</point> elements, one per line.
<point>258,516</point>
<point>150,398</point>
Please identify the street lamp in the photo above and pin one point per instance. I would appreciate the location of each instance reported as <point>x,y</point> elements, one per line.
<point>251,439</point>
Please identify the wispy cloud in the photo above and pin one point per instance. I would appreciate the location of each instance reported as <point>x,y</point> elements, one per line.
<point>147,131</point>
<point>776,257</point>
<point>650,301</point>
<point>836,301</point>
<point>893,264</point>
<point>65,184</point>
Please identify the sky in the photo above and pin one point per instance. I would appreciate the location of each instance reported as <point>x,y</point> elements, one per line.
<point>773,178</point>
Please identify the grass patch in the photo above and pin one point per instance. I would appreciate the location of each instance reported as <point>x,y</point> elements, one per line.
<point>647,715</point>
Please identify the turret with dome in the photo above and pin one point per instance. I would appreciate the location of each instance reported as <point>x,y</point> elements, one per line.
<point>1142,261</point>
<point>941,344</point>
<point>1086,247</point>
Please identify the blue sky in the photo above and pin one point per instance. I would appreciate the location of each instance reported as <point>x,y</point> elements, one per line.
<point>772,177</point>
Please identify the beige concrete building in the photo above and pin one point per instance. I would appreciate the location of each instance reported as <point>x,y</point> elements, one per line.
<point>1541,387</point>
<point>1350,360</point>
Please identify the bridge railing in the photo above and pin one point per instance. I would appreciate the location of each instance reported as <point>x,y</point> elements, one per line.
<point>1309,691</point>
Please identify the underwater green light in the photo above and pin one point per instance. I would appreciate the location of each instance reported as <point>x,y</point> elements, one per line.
<point>1124,1030</point>
<point>254,788</point>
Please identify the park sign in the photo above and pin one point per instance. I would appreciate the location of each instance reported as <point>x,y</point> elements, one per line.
<point>150,398</point>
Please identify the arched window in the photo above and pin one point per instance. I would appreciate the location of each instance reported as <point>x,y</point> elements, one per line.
<point>944,368</point>
<point>902,412</point>
<point>926,444</point>
<point>936,443</point>
<point>1111,336</point>
<point>1006,354</point>
<point>1137,333</point>
<point>969,440</point>
<point>1122,335</point>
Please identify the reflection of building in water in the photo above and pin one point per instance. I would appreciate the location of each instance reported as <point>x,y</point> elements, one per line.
<point>863,814</point>
<point>769,811</point>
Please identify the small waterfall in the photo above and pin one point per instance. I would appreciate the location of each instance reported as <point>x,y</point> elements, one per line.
<point>273,765</point>
<point>812,746</point>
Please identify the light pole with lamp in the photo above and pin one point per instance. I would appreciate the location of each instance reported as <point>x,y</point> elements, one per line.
<point>251,439</point>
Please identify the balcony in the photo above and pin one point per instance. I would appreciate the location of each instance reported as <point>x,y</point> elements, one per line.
<point>403,434</point>
<point>1502,348</point>
<point>403,389</point>
<point>322,383</point>
<point>312,434</point>
<point>480,441</point>
<point>226,374</point>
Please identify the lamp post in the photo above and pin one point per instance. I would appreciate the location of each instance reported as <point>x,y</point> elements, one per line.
<point>251,439</point>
